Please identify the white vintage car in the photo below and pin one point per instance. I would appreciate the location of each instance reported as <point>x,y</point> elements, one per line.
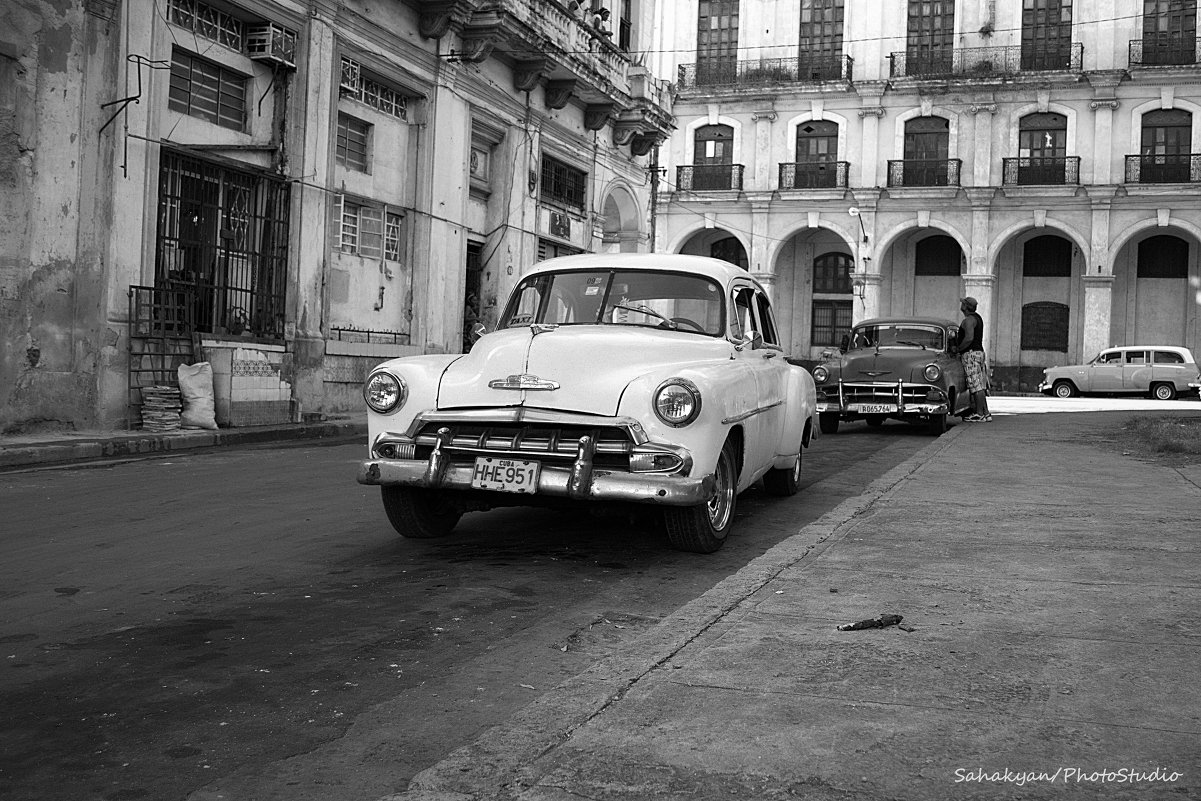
<point>611,379</point>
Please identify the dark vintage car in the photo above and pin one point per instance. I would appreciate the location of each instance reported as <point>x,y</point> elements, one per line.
<point>893,367</point>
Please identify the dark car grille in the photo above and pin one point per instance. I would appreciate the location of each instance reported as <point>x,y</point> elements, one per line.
<point>883,393</point>
<point>555,444</point>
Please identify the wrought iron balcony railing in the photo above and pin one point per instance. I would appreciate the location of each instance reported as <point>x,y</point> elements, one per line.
<point>725,72</point>
<point>1040,171</point>
<point>709,177</point>
<point>924,172</point>
<point>1168,51</point>
<point>814,175</point>
<point>985,62</point>
<point>1176,168</point>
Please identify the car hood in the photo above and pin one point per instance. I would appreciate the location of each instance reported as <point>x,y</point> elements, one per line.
<point>588,366</point>
<point>886,365</point>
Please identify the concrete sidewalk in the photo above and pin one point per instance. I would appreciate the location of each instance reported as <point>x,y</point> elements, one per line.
<point>1051,582</point>
<point>71,447</point>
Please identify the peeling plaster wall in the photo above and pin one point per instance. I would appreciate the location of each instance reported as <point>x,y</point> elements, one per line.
<point>50,290</point>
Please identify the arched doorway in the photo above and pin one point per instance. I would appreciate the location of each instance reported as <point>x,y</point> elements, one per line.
<point>718,244</point>
<point>813,295</point>
<point>1152,300</point>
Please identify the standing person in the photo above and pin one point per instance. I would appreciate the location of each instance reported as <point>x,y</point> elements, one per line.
<point>970,347</point>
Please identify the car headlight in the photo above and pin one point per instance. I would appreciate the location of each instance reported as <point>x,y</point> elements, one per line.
<point>932,372</point>
<point>820,374</point>
<point>677,402</point>
<point>384,392</point>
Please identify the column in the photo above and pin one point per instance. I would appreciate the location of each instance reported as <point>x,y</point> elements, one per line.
<point>1098,303</point>
<point>983,289</point>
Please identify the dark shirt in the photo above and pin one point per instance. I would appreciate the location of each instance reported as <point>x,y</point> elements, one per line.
<point>977,340</point>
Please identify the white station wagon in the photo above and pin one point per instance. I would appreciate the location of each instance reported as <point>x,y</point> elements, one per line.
<point>1161,371</point>
<point>611,379</point>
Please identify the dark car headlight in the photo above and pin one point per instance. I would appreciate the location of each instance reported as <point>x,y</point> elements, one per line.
<point>677,402</point>
<point>932,372</point>
<point>820,374</point>
<point>384,392</point>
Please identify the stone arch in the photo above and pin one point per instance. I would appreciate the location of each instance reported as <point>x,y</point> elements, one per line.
<point>712,119</point>
<point>1003,238</point>
<point>947,114</point>
<point>1136,117</point>
<point>622,218</point>
<point>1036,108</point>
<point>787,145</point>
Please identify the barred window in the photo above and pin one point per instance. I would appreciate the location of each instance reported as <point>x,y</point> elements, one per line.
<point>207,22</point>
<point>370,91</point>
<point>830,317</point>
<point>392,236</point>
<point>367,230</point>
<point>1045,326</point>
<point>207,91</point>
<point>353,135</point>
<point>562,183</point>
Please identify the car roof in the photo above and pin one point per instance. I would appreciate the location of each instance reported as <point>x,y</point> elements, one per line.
<point>1173,348</point>
<point>919,320</point>
<point>721,271</point>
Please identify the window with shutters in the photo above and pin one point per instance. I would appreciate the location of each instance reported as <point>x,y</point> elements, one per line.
<point>354,135</point>
<point>367,229</point>
<point>207,91</point>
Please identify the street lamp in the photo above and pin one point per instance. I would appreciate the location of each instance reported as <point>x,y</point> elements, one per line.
<point>854,212</point>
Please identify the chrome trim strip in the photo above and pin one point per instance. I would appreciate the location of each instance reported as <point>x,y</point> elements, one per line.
<point>751,413</point>
<point>520,414</point>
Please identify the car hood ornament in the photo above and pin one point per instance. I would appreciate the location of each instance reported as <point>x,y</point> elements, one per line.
<point>874,373</point>
<point>524,381</point>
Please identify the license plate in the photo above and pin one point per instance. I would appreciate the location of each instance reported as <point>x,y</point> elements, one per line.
<point>505,475</point>
<point>875,408</point>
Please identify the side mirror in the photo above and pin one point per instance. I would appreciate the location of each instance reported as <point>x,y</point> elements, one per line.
<point>753,340</point>
<point>477,331</point>
<point>844,343</point>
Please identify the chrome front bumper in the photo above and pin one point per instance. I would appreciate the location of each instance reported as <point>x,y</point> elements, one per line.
<point>891,394</point>
<point>578,482</point>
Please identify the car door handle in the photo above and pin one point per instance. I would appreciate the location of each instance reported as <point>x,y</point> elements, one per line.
<point>771,354</point>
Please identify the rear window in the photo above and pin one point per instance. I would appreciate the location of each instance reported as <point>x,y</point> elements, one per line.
<point>1168,357</point>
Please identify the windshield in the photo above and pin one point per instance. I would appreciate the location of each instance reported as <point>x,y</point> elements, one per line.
<point>674,301</point>
<point>899,335</point>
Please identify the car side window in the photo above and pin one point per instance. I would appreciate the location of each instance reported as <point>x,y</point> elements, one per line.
<point>767,324</point>
<point>1110,357</point>
<point>1136,357</point>
<point>1168,357</point>
<point>743,321</point>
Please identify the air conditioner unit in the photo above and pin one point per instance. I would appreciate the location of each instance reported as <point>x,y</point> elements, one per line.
<point>273,43</point>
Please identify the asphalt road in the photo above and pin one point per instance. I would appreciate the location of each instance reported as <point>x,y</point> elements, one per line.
<point>244,624</point>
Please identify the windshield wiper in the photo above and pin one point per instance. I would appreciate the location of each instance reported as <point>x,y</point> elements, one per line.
<point>911,344</point>
<point>647,310</point>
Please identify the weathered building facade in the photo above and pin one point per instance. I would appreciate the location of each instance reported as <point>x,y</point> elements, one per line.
<point>295,190</point>
<point>874,157</point>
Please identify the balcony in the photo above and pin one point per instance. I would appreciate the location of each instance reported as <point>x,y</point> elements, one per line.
<point>814,175</point>
<point>1166,52</point>
<point>1180,168</point>
<point>985,62</point>
<point>709,177</point>
<point>545,43</point>
<point>1036,171</point>
<point>924,172</point>
<point>728,73</point>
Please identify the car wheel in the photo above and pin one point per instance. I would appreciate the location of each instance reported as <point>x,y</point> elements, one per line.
<point>419,514</point>
<point>876,419</point>
<point>937,424</point>
<point>1064,389</point>
<point>703,529</point>
<point>828,423</point>
<point>1163,392</point>
<point>785,482</point>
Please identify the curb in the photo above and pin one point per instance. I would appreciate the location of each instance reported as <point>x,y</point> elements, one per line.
<point>140,444</point>
<point>500,762</point>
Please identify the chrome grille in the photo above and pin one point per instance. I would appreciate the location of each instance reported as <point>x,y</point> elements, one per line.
<point>553,443</point>
<point>902,394</point>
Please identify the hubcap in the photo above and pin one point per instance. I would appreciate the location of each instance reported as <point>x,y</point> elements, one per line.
<point>722,500</point>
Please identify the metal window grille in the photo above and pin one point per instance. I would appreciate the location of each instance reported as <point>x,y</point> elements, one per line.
<point>223,244</point>
<point>207,91</point>
<point>830,317</point>
<point>207,22</point>
<point>353,135</point>
<point>562,183</point>
<point>371,92</point>
<point>392,241</point>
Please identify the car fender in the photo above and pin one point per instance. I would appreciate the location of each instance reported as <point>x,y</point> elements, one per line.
<point>727,392</point>
<point>800,416</point>
<point>421,376</point>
